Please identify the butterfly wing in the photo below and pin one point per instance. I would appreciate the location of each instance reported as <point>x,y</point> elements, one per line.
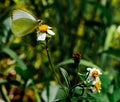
<point>23,26</point>
<point>17,14</point>
<point>23,23</point>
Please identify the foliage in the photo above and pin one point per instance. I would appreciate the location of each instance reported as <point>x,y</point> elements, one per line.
<point>38,71</point>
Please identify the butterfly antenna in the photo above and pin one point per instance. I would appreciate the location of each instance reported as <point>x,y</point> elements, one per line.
<point>39,21</point>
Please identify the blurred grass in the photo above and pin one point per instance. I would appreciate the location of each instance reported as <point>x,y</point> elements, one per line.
<point>85,26</point>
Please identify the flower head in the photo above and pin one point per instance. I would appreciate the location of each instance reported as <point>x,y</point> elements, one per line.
<point>92,74</point>
<point>76,57</point>
<point>43,30</point>
<point>96,86</point>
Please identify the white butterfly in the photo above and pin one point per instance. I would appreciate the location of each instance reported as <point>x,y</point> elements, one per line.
<point>23,22</point>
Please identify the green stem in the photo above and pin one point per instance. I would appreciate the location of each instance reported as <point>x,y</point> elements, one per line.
<point>23,91</point>
<point>52,68</point>
<point>4,93</point>
<point>36,94</point>
<point>80,85</point>
<point>76,77</point>
<point>76,73</point>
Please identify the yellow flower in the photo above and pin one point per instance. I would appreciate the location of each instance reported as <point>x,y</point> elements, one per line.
<point>43,30</point>
<point>95,73</point>
<point>96,86</point>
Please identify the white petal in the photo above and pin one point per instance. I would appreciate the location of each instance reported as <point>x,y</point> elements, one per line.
<point>93,89</point>
<point>118,29</point>
<point>97,79</point>
<point>94,68</point>
<point>41,36</point>
<point>50,32</point>
<point>89,79</point>
<point>49,27</point>
<point>99,71</point>
<point>88,69</point>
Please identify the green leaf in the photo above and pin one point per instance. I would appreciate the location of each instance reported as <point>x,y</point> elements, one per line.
<point>109,37</point>
<point>105,81</point>
<point>56,93</point>
<point>69,61</point>
<point>30,82</point>
<point>22,69</point>
<point>66,77</point>
<point>3,92</point>
<point>13,82</point>
<point>113,51</point>
<point>3,82</point>
<point>26,74</point>
<point>78,90</point>
<point>88,63</point>
<point>100,97</point>
<point>36,94</point>
<point>116,95</point>
<point>80,98</point>
<point>82,62</point>
<point>12,54</point>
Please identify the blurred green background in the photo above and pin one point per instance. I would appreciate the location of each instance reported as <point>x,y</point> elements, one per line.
<point>90,27</point>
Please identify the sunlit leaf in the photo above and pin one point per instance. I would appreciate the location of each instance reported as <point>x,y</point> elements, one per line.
<point>36,94</point>
<point>66,77</point>
<point>55,92</point>
<point>109,37</point>
<point>3,91</point>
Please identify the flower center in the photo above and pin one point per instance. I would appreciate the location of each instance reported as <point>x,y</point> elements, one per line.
<point>95,74</point>
<point>98,86</point>
<point>43,28</point>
